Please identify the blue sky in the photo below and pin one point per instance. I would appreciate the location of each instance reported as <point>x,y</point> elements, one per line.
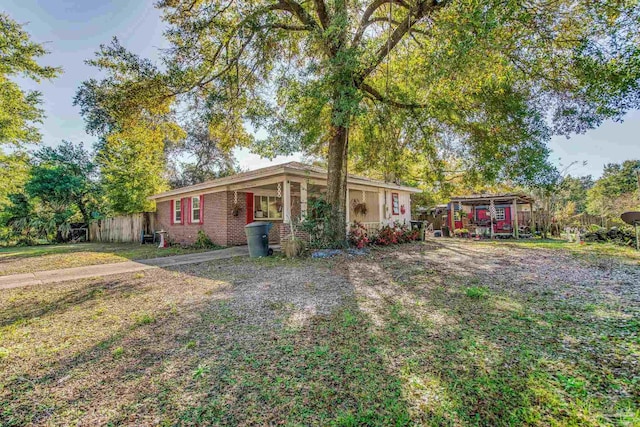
<point>73,29</point>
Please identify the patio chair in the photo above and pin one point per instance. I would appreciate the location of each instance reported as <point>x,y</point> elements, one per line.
<point>147,238</point>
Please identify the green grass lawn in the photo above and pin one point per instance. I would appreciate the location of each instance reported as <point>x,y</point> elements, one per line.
<point>446,333</point>
<point>15,260</point>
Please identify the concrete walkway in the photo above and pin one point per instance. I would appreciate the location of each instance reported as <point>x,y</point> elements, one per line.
<point>100,270</point>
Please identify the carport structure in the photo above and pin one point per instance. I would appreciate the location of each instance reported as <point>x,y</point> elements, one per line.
<point>492,215</point>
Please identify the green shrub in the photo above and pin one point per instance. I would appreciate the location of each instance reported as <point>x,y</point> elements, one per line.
<point>204,242</point>
<point>624,236</point>
<point>594,228</point>
<point>316,225</point>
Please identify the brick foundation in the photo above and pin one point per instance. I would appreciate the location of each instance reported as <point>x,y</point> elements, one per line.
<point>285,233</point>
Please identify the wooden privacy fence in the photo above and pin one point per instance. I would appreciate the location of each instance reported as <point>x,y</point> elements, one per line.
<point>124,228</point>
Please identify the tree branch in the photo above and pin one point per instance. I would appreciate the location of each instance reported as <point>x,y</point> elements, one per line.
<point>281,26</point>
<point>422,9</point>
<point>375,94</point>
<point>300,13</point>
<point>369,11</point>
<point>323,16</point>
<point>383,19</point>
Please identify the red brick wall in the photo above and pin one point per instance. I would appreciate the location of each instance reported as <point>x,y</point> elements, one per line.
<point>214,221</point>
<point>235,224</point>
<point>274,233</point>
<point>285,232</point>
<point>219,222</point>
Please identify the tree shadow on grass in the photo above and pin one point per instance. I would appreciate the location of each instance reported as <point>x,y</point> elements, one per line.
<point>61,298</point>
<point>25,252</point>
<point>381,340</point>
<point>499,358</point>
<point>200,358</point>
<point>42,258</point>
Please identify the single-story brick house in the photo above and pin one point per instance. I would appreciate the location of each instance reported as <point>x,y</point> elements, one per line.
<point>223,206</point>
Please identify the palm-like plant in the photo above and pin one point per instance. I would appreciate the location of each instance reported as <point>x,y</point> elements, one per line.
<point>29,222</point>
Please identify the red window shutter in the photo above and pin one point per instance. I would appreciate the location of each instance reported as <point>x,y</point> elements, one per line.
<point>188,210</point>
<point>249,207</point>
<point>202,209</point>
<point>183,210</point>
<point>171,211</point>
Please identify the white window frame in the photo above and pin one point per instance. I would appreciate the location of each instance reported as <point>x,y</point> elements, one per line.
<point>265,213</point>
<point>194,219</point>
<point>177,210</point>
<point>500,214</point>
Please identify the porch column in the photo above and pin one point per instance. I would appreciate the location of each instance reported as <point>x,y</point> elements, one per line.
<point>303,200</point>
<point>532,223</point>
<point>453,220</point>
<point>381,202</point>
<point>516,231</point>
<point>491,218</point>
<point>286,201</point>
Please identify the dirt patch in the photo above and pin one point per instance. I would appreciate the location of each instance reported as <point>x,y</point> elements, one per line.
<point>263,292</point>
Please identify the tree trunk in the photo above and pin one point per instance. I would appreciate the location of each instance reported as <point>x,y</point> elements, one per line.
<point>85,214</point>
<point>337,185</point>
<point>82,207</point>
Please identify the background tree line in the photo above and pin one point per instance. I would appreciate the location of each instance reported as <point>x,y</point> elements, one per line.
<point>585,203</point>
<point>562,200</point>
<point>44,191</point>
<point>437,94</point>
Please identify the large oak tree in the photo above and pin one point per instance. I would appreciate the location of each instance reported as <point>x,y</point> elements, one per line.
<point>488,82</point>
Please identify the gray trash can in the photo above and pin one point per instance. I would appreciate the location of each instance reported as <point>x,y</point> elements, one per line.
<point>258,238</point>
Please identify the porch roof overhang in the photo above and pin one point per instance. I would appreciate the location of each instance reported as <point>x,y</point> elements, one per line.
<point>485,199</point>
<point>272,174</point>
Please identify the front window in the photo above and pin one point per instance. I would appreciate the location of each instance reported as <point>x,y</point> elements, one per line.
<point>195,209</point>
<point>177,211</point>
<point>267,207</point>
<point>500,214</point>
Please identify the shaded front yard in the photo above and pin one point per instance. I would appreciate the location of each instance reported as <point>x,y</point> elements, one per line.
<point>442,333</point>
<point>28,259</point>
